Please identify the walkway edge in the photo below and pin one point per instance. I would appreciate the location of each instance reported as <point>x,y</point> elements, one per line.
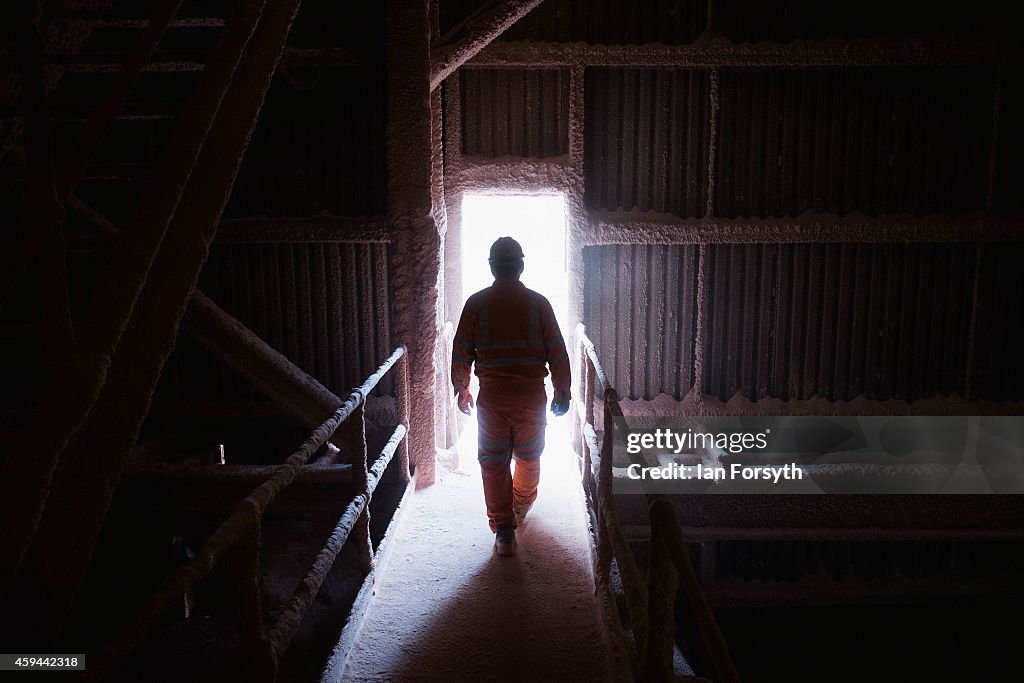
<point>354,623</point>
<point>618,652</point>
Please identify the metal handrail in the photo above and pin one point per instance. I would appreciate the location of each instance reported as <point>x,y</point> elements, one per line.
<point>649,604</point>
<point>236,541</point>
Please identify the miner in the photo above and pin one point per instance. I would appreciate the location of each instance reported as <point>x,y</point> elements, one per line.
<point>510,333</point>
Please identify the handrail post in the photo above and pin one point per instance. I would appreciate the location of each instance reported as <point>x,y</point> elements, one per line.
<point>589,376</point>
<point>258,662</point>
<point>237,542</point>
<point>578,441</point>
<point>402,390</point>
<point>675,545</point>
<point>662,586</point>
<point>360,477</point>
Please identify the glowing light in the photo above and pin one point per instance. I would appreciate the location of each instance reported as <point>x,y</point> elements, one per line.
<point>537,222</point>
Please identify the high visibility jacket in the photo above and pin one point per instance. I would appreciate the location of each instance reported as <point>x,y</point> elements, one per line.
<point>510,333</point>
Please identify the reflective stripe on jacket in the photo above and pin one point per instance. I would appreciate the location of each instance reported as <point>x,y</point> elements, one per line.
<point>510,333</point>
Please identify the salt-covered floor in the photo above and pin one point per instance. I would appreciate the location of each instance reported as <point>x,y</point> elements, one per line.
<point>448,608</point>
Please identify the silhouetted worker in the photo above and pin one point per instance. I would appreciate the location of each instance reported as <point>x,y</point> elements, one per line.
<point>510,332</point>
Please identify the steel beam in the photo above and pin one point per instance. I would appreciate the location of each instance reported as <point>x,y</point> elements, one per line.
<point>261,365</point>
<point>467,39</point>
<point>416,252</point>
<point>84,485</point>
<point>723,53</point>
<point>68,401</point>
<point>314,229</point>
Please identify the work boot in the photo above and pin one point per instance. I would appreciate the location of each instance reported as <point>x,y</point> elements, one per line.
<point>521,514</point>
<point>505,541</point>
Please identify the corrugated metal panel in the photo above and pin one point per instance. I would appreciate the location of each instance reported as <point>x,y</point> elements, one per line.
<point>521,112</point>
<point>647,140</point>
<point>320,149</point>
<point>874,140</point>
<point>838,320</point>
<point>326,306</point>
<point>786,20</point>
<point>999,361</point>
<point>639,306</point>
<point>1009,181</point>
<point>610,22</point>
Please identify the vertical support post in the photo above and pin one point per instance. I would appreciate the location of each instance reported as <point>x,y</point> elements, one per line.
<point>607,445</point>
<point>591,381</point>
<point>416,251</point>
<point>402,389</point>
<point>257,661</point>
<point>604,542</point>
<point>452,124</point>
<point>579,227</point>
<point>577,394</point>
<point>699,327</point>
<point>360,472</point>
<point>604,483</point>
<point>713,106</point>
<point>589,376</point>
<point>662,585</point>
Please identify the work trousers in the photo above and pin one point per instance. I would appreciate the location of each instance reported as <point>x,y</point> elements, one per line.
<point>511,421</point>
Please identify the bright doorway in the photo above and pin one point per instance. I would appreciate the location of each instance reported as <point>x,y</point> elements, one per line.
<point>538,223</point>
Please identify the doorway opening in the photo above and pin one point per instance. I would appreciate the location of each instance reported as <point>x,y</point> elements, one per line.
<point>538,223</point>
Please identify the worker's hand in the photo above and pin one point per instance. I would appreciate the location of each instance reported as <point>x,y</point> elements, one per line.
<point>465,401</point>
<point>560,404</point>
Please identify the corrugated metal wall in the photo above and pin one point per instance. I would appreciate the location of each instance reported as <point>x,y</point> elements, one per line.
<point>325,306</point>
<point>640,311</point>
<point>646,142</point>
<point>520,112</point>
<point>795,321</point>
<point>786,20</point>
<point>889,321</point>
<point>837,320</point>
<point>999,356</point>
<point>611,22</point>
<point>874,140</point>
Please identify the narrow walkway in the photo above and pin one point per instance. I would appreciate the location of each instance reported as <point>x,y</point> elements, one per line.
<point>448,608</point>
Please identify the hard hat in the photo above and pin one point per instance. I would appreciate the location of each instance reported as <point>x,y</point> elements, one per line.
<point>505,249</point>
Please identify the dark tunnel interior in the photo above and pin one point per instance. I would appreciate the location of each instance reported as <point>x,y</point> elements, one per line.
<point>231,236</point>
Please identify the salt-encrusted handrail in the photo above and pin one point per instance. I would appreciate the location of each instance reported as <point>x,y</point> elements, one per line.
<point>588,348</point>
<point>283,631</point>
<point>238,539</point>
<point>650,607</point>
